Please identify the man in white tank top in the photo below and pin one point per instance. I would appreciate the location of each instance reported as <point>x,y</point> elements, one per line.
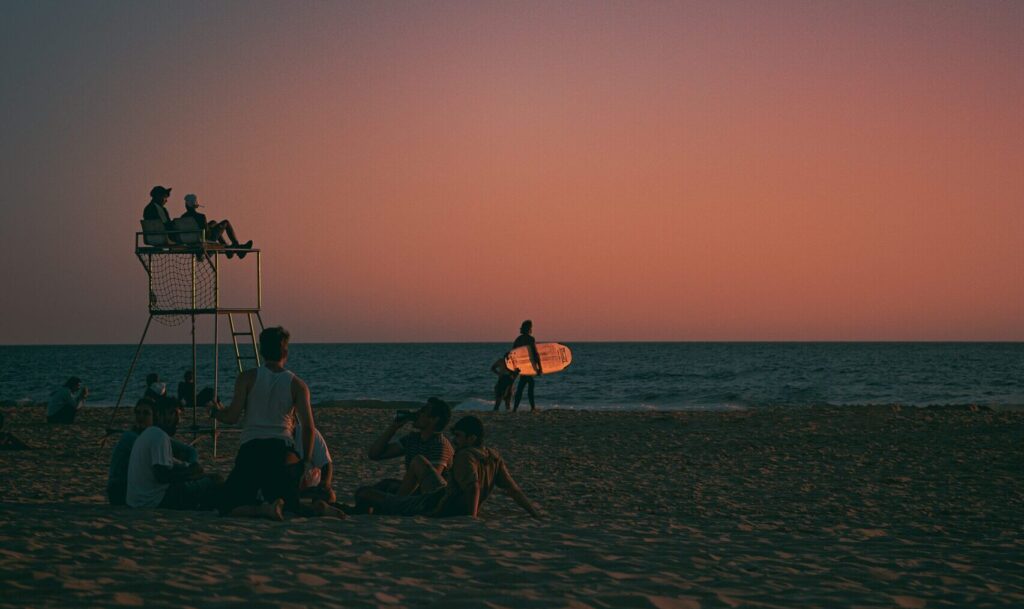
<point>269,400</point>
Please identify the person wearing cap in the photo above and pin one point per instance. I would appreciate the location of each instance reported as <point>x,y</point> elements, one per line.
<point>215,230</point>
<point>66,401</point>
<point>156,209</point>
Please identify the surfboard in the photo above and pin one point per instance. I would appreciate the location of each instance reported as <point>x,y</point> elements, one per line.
<point>553,357</point>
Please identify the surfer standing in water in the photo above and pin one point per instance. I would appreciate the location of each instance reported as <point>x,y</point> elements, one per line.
<point>525,339</point>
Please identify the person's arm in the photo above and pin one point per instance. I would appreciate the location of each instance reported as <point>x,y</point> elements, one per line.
<point>535,357</point>
<point>178,472</point>
<point>232,413</point>
<point>471,500</point>
<point>383,448</point>
<point>327,475</point>
<point>80,400</point>
<point>504,480</point>
<point>304,414</point>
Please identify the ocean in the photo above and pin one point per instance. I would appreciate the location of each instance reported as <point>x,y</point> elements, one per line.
<point>603,376</point>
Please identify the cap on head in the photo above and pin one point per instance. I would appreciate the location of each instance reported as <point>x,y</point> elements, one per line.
<point>192,201</point>
<point>73,382</point>
<point>160,192</point>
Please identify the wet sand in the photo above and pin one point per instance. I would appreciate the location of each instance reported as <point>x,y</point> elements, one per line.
<point>811,507</point>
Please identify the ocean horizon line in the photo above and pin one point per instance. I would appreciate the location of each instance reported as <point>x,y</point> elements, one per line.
<point>566,341</point>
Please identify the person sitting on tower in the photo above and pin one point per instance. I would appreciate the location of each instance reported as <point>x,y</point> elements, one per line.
<point>215,230</point>
<point>157,210</point>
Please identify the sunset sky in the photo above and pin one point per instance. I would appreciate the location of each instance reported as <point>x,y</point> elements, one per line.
<point>442,171</point>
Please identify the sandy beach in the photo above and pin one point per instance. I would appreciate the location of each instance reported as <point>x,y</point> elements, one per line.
<point>810,507</point>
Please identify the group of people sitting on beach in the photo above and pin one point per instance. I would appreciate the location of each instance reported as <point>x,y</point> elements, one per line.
<point>283,462</point>
<point>221,231</point>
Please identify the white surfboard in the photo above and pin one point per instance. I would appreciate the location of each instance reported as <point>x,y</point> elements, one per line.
<point>553,357</point>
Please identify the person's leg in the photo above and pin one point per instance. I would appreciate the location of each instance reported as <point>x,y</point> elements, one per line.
<point>519,392</point>
<point>508,395</point>
<point>499,392</point>
<point>243,482</point>
<point>419,468</point>
<point>533,405</point>
<point>225,227</point>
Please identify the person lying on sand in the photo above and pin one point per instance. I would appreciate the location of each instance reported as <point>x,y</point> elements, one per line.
<point>426,441</point>
<point>156,478</point>
<point>475,471</point>
<point>269,400</point>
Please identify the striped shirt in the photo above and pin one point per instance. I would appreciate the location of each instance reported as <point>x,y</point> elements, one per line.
<point>437,449</point>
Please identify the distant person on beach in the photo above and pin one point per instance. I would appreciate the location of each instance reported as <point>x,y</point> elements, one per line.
<point>155,390</point>
<point>8,441</point>
<point>525,339</point>
<point>216,231</point>
<point>427,441</point>
<point>117,478</point>
<point>156,478</point>
<point>503,388</point>
<point>66,401</point>
<point>322,462</point>
<point>186,390</point>
<point>269,400</point>
<point>475,471</point>
<point>156,209</point>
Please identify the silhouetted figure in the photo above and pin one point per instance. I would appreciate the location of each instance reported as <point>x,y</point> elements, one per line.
<point>66,401</point>
<point>525,339</point>
<point>503,388</point>
<point>117,477</point>
<point>186,389</point>
<point>216,231</point>
<point>157,210</point>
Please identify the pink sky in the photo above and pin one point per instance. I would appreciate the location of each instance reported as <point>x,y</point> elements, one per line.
<point>710,171</point>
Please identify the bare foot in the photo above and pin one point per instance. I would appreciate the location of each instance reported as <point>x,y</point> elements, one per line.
<point>322,508</point>
<point>273,511</point>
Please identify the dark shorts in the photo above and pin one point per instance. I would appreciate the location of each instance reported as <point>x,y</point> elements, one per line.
<point>503,385</point>
<point>198,494</point>
<point>261,467</point>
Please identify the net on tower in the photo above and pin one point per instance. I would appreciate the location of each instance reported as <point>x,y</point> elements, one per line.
<point>179,285</point>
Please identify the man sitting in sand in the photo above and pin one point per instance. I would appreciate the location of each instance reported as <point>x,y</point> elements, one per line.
<point>66,401</point>
<point>426,441</point>
<point>269,400</point>
<point>156,390</point>
<point>156,478</point>
<point>475,471</point>
<point>215,231</point>
<point>117,478</point>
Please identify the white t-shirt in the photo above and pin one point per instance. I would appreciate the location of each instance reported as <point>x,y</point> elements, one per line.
<point>321,456</point>
<point>153,447</point>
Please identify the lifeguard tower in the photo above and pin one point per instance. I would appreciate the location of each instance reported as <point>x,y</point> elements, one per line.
<point>183,269</point>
